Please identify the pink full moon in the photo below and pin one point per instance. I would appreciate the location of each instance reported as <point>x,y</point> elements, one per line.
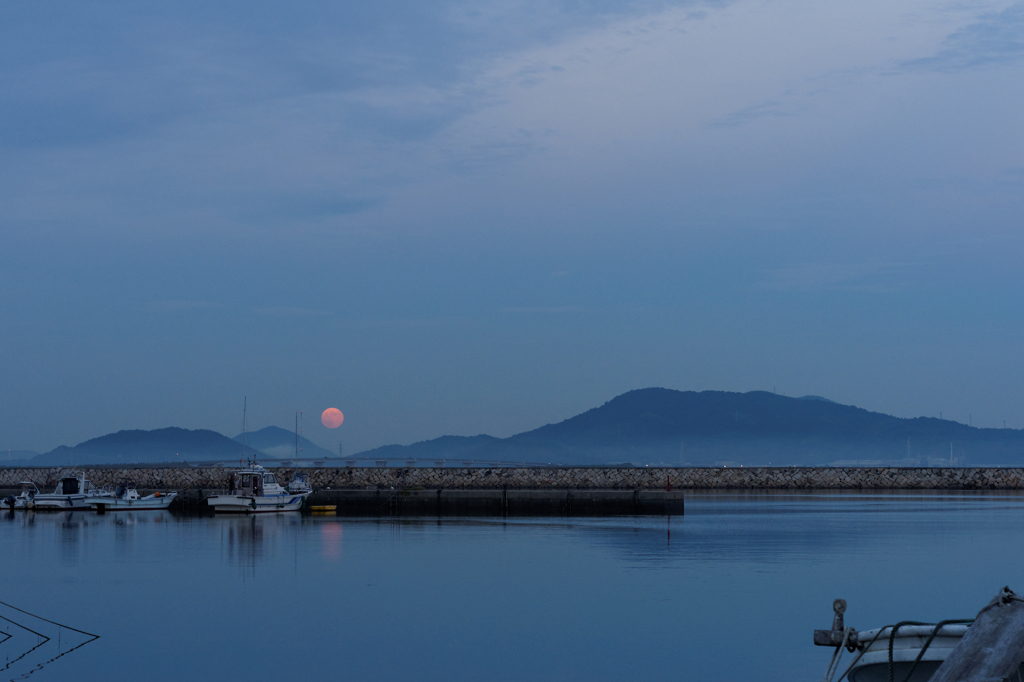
<point>332,417</point>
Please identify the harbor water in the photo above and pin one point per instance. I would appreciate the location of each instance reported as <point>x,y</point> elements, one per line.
<point>731,591</point>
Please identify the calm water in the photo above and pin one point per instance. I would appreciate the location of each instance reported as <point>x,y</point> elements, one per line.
<point>731,591</point>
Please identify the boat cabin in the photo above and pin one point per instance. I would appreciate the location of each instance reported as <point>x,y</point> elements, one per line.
<point>255,483</point>
<point>69,485</point>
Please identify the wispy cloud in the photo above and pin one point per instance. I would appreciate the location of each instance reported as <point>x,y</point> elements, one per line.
<point>285,311</point>
<point>292,208</point>
<point>544,310</point>
<point>174,306</point>
<point>761,110</point>
<point>996,38</point>
<point>868,277</point>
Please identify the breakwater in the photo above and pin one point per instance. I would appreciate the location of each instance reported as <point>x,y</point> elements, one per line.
<point>552,478</point>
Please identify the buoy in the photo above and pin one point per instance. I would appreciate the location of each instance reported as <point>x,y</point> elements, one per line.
<point>324,507</point>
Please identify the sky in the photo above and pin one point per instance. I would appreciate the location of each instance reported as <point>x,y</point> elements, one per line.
<point>451,217</point>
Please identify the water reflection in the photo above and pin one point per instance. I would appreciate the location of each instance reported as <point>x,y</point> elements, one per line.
<point>247,539</point>
<point>549,598</point>
<point>331,534</point>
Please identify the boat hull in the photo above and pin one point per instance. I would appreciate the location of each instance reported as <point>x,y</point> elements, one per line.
<point>162,501</point>
<point>53,502</point>
<point>248,504</point>
<point>873,664</point>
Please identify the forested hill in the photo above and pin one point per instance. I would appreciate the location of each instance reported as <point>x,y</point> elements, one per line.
<point>135,447</point>
<point>662,426</point>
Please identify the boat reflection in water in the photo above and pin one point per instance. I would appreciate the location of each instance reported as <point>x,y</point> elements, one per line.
<point>248,539</point>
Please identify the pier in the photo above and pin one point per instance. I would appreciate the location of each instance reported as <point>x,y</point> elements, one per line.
<point>526,490</point>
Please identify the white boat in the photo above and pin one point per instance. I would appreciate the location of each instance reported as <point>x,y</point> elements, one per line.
<point>917,651</point>
<point>300,484</point>
<point>253,489</point>
<point>70,493</point>
<point>905,652</point>
<point>127,497</point>
<point>25,499</point>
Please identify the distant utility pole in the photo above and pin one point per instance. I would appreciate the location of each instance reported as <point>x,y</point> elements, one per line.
<point>339,450</point>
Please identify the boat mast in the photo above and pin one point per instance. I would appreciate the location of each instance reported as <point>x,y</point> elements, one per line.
<point>245,406</point>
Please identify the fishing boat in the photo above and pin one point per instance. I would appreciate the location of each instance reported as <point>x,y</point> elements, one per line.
<point>70,493</point>
<point>127,497</point>
<point>300,484</point>
<point>253,489</point>
<point>25,499</point>
<point>908,651</point>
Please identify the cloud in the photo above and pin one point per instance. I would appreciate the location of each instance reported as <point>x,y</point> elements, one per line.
<point>996,38</point>
<point>544,310</point>
<point>868,277</point>
<point>285,311</point>
<point>174,306</point>
<point>761,110</point>
<point>273,210</point>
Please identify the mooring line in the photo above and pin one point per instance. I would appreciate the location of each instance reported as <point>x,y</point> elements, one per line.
<point>37,634</point>
<point>66,627</point>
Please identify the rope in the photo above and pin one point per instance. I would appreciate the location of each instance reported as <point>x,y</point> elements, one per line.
<point>837,656</point>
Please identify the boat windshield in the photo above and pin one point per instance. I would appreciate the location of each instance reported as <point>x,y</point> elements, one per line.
<point>269,479</point>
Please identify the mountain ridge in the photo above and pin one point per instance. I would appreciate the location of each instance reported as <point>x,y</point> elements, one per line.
<point>645,426</point>
<point>278,443</point>
<point>664,426</point>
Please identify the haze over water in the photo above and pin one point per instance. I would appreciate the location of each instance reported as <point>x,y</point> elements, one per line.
<point>730,591</point>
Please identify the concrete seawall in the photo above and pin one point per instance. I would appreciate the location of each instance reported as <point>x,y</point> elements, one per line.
<point>554,478</point>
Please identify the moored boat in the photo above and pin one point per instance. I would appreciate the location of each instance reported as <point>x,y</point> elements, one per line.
<point>253,489</point>
<point>127,497</point>
<point>70,493</point>
<point>300,484</point>
<point>25,499</point>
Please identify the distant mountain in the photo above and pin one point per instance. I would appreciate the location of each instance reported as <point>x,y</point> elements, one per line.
<point>445,447</point>
<point>661,426</point>
<point>279,443</point>
<point>140,447</point>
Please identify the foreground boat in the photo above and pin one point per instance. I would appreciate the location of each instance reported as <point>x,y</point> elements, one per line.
<point>70,493</point>
<point>127,497</point>
<point>918,652</point>
<point>253,489</point>
<point>25,499</point>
